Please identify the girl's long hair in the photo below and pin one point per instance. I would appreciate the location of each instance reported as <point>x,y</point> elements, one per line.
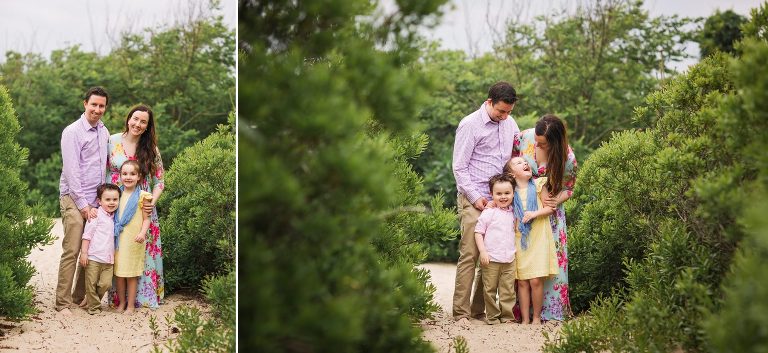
<point>554,130</point>
<point>146,149</point>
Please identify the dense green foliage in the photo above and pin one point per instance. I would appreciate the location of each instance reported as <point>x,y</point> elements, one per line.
<point>185,72</point>
<point>720,32</point>
<point>673,205</point>
<point>200,334</point>
<point>198,231</point>
<point>22,228</point>
<point>199,241</point>
<point>336,214</point>
<point>590,66</point>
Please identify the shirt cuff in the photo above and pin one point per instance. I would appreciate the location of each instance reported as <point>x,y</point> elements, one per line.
<point>473,196</point>
<point>80,203</point>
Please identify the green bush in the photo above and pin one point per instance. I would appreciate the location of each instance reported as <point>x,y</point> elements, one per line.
<point>709,166</point>
<point>46,177</point>
<point>198,231</point>
<point>741,324</point>
<point>22,227</point>
<point>336,214</point>
<point>200,334</point>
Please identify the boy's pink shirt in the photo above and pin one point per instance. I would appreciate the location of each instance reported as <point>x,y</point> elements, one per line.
<point>101,232</point>
<point>498,228</point>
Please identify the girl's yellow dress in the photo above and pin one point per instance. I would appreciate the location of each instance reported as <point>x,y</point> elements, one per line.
<point>539,259</point>
<point>129,256</point>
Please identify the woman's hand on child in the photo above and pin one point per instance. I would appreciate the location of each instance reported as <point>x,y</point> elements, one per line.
<point>548,200</point>
<point>139,238</point>
<point>484,258</point>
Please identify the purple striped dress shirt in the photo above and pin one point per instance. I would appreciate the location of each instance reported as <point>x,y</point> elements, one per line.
<point>481,150</point>
<point>84,155</point>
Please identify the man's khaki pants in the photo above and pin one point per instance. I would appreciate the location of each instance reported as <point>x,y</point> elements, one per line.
<point>98,279</point>
<point>73,223</point>
<point>466,267</point>
<point>499,277</point>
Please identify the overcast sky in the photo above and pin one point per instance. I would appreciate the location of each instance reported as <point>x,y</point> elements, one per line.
<point>469,26</point>
<point>44,25</point>
<point>41,26</point>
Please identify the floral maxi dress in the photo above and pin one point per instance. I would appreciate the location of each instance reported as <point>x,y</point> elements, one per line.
<point>557,305</point>
<point>151,288</point>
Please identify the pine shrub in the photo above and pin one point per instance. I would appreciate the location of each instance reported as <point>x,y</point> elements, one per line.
<point>23,228</point>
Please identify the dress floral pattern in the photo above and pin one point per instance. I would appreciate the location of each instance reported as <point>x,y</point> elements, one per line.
<point>557,305</point>
<point>151,288</point>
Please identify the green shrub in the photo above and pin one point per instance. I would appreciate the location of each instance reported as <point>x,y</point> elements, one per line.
<point>22,227</point>
<point>198,231</point>
<point>740,325</point>
<point>711,129</point>
<point>46,177</point>
<point>213,334</point>
<point>336,215</point>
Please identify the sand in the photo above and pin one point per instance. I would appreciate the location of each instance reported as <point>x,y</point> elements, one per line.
<point>480,337</point>
<point>50,331</point>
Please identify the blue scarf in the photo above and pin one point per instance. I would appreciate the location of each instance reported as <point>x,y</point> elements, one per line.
<point>531,205</point>
<point>130,210</point>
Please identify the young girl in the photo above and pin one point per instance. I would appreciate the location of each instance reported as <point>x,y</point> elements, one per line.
<point>131,225</point>
<point>536,247</point>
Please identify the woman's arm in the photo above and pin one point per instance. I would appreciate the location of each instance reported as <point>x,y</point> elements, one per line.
<point>544,211</point>
<point>157,184</point>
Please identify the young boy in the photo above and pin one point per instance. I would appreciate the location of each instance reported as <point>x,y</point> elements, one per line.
<point>97,253</point>
<point>495,239</point>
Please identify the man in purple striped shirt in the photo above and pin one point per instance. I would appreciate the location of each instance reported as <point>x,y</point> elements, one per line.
<point>84,155</point>
<point>483,146</point>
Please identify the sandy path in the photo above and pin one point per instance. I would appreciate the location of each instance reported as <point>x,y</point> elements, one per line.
<point>49,331</point>
<point>481,338</point>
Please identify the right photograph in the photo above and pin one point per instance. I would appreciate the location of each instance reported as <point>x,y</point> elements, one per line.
<point>502,176</point>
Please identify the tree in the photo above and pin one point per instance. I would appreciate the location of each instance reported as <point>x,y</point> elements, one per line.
<point>23,227</point>
<point>721,31</point>
<point>329,98</point>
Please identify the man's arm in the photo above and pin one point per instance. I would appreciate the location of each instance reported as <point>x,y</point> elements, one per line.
<point>462,153</point>
<point>70,156</point>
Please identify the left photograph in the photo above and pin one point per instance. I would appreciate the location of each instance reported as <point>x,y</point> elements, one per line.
<point>117,176</point>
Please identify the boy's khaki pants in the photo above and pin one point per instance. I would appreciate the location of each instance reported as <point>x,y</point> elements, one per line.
<point>98,280</point>
<point>499,277</point>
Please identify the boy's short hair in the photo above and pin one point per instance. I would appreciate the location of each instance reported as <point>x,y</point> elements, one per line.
<point>499,178</point>
<point>103,187</point>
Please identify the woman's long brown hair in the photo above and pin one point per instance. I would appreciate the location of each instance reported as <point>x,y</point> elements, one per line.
<point>146,149</point>
<point>553,129</point>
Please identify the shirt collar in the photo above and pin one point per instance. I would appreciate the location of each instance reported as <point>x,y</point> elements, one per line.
<point>103,211</point>
<point>484,115</point>
<point>86,125</point>
<point>507,209</point>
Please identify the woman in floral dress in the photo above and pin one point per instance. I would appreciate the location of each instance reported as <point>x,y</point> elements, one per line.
<point>546,150</point>
<point>138,141</point>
